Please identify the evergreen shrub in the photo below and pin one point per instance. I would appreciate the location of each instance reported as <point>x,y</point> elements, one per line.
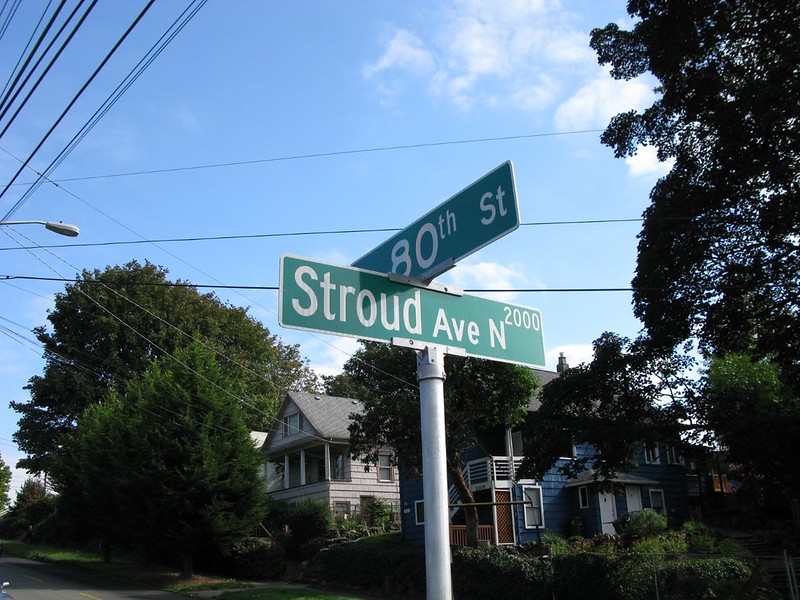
<point>308,520</point>
<point>399,571</point>
<point>493,572</point>
<point>257,558</point>
<point>646,523</point>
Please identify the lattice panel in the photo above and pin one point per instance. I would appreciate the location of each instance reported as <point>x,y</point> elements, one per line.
<point>505,520</point>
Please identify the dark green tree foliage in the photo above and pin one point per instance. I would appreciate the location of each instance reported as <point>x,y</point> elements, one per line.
<point>719,252</point>
<point>167,464</point>
<point>756,418</point>
<point>480,395</point>
<point>623,397</point>
<point>5,483</point>
<point>112,324</point>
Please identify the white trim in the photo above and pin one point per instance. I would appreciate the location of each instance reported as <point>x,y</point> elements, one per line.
<point>663,501</point>
<point>583,496</point>
<point>528,509</point>
<point>656,453</point>
<point>674,455</point>
<point>417,505</point>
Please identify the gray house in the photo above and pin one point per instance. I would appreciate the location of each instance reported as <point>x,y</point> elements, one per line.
<point>308,453</point>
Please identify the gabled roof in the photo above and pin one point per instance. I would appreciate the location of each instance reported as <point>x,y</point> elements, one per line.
<point>544,378</point>
<point>328,415</point>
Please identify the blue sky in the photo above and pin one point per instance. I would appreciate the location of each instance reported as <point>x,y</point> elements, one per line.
<point>318,116</point>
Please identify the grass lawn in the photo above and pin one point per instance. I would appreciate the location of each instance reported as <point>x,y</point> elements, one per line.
<point>121,567</point>
<point>277,594</point>
<point>161,578</point>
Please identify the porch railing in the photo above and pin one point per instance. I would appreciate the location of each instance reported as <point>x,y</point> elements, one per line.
<point>458,534</point>
<point>493,468</point>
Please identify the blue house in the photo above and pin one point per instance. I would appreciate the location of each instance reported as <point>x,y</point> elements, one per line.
<point>662,481</point>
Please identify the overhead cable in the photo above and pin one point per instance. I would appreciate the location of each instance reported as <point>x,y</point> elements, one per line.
<point>70,105</point>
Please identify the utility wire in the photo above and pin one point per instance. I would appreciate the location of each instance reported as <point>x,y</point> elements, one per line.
<point>325,155</point>
<point>70,105</point>
<point>254,236</point>
<point>44,73</point>
<point>172,31</point>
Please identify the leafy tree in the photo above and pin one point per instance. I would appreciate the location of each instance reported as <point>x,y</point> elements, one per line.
<point>32,490</point>
<point>755,417</point>
<point>5,484</point>
<point>479,395</point>
<point>111,325</point>
<point>623,397</point>
<point>719,252</point>
<point>167,464</point>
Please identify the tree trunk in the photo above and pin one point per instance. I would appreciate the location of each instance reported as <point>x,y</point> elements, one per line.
<point>465,496</point>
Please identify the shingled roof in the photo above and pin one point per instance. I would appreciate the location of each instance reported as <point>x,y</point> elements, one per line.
<point>328,415</point>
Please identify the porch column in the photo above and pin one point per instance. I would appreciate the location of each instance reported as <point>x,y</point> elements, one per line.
<point>510,454</point>
<point>327,461</point>
<point>302,467</point>
<point>286,472</point>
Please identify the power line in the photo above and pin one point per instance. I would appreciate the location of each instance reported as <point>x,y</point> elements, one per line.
<point>217,238</point>
<point>324,155</point>
<point>71,104</point>
<point>275,287</point>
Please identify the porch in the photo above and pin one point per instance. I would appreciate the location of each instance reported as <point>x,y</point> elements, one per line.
<point>491,472</point>
<point>458,534</point>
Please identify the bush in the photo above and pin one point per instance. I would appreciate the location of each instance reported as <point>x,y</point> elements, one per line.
<point>583,575</point>
<point>668,543</point>
<point>493,572</point>
<point>257,558</point>
<point>395,570</point>
<point>646,523</point>
<point>708,577</point>
<point>308,520</point>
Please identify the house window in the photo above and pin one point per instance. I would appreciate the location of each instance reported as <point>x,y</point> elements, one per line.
<point>291,424</point>
<point>419,512</point>
<point>338,462</point>
<point>534,517</point>
<point>583,496</point>
<point>385,468</point>
<point>568,451</point>
<point>674,456</point>
<point>651,452</point>
<point>341,510</point>
<point>657,501</point>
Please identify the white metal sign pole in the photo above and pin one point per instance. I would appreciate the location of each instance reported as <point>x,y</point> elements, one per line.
<point>430,372</point>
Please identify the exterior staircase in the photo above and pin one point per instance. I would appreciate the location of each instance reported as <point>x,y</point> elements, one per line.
<point>781,566</point>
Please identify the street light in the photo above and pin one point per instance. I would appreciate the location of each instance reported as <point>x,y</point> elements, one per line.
<point>60,228</point>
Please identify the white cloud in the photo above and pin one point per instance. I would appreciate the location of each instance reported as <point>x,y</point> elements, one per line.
<point>404,51</point>
<point>490,275</point>
<point>484,52</point>
<point>645,163</point>
<point>594,104</point>
<point>327,354</point>
<point>575,354</point>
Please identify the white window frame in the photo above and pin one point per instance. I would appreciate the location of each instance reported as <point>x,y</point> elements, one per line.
<point>530,520</point>
<point>651,453</point>
<point>419,507</point>
<point>290,429</point>
<point>674,456</point>
<point>385,465</point>
<point>663,509</point>
<point>583,496</point>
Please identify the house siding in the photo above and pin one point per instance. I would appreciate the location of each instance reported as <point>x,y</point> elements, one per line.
<point>331,415</point>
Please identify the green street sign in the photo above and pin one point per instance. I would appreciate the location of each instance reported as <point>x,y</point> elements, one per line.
<point>318,296</point>
<point>474,217</point>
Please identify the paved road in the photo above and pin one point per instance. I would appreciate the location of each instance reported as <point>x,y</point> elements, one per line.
<point>31,580</point>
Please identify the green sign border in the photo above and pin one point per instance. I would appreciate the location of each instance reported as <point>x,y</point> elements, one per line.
<point>482,327</point>
<point>456,224</point>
